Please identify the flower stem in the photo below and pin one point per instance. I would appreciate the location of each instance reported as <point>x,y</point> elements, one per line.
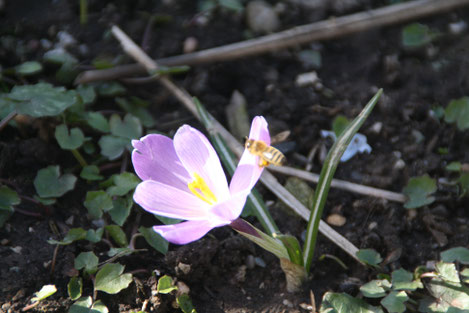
<point>79,157</point>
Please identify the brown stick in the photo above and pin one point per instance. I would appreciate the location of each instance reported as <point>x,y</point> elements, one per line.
<point>327,29</point>
<point>267,178</point>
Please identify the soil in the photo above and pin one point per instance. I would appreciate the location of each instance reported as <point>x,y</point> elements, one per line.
<point>220,276</point>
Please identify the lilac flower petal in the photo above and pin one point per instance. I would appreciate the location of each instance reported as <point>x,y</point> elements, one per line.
<point>186,232</point>
<point>259,130</point>
<point>166,200</point>
<point>154,158</point>
<point>230,209</point>
<point>248,171</point>
<point>198,156</point>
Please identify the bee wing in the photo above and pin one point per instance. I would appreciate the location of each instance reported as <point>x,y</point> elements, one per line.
<point>282,136</point>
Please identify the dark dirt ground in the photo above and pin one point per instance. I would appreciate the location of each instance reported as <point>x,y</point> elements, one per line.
<point>352,68</point>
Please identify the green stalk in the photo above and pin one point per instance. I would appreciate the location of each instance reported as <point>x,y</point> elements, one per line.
<point>83,12</point>
<point>79,157</point>
<point>325,178</point>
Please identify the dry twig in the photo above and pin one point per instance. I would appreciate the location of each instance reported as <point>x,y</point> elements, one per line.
<point>267,178</point>
<point>327,29</point>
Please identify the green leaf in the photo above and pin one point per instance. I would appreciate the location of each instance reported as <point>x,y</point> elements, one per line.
<point>404,280</point>
<point>112,147</point>
<point>325,178</point>
<point>117,234</point>
<point>464,182</point>
<point>185,303</point>
<point>59,56</point>
<point>85,305</point>
<point>42,99</point>
<point>8,198</point>
<point>465,275</point>
<point>369,256</point>
<point>154,239</point>
<point>120,252</point>
<point>129,128</point>
<point>234,5</point>
<point>394,301</point>
<point>419,191</point>
<point>375,288</point>
<point>111,89</point>
<point>94,236</point>
<point>28,68</point>
<point>448,272</point>
<point>87,93</point>
<point>49,183</point>
<point>98,122</point>
<point>344,303</point>
<point>120,210</point>
<point>417,35</point>
<point>339,124</point>
<point>46,291</point>
<point>111,280</point>
<point>310,58</point>
<point>91,172</point>
<point>446,295</point>
<point>87,261</point>
<point>123,183</point>
<point>96,202</point>
<point>458,112</point>
<point>293,247</point>
<point>75,287</point>
<point>454,167</point>
<point>137,108</point>
<point>69,140</point>
<point>460,254</point>
<point>73,234</point>
<point>165,285</point>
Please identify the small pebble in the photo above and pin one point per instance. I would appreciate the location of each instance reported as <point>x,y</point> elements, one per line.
<point>16,249</point>
<point>307,79</point>
<point>399,164</point>
<point>184,268</point>
<point>377,127</point>
<point>4,242</point>
<point>372,225</point>
<point>261,17</point>
<point>336,220</point>
<point>250,262</point>
<point>287,303</point>
<point>69,221</point>
<point>182,288</point>
<point>260,262</point>
<point>65,39</point>
<point>31,230</point>
<point>457,27</point>
<point>190,44</point>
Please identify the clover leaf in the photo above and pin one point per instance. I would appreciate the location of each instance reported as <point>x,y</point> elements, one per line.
<point>49,183</point>
<point>117,234</point>
<point>96,202</point>
<point>416,35</point>
<point>87,261</point>
<point>28,68</point>
<point>130,127</point>
<point>69,140</point>
<point>112,147</point>
<point>90,172</point>
<point>419,191</point>
<point>111,280</point>
<point>120,210</point>
<point>73,234</point>
<point>98,122</point>
<point>8,198</point>
<point>86,305</point>
<point>369,256</point>
<point>46,291</point>
<point>459,254</point>
<point>404,280</point>
<point>344,303</point>
<point>123,183</point>
<point>42,99</point>
<point>394,301</point>
<point>75,287</point>
<point>165,285</point>
<point>458,112</point>
<point>154,239</point>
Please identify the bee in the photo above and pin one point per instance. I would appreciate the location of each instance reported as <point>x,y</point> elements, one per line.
<point>267,154</point>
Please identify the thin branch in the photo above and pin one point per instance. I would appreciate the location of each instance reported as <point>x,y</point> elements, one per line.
<point>267,178</point>
<point>342,184</point>
<point>322,30</point>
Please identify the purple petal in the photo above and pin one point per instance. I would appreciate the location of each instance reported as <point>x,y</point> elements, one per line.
<point>170,201</point>
<point>198,156</point>
<point>154,158</point>
<point>186,232</point>
<point>248,171</point>
<point>230,209</point>
<point>259,130</point>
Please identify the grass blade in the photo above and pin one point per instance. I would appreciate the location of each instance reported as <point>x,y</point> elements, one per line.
<point>325,178</point>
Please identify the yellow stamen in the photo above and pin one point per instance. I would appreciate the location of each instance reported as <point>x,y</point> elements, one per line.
<point>200,189</point>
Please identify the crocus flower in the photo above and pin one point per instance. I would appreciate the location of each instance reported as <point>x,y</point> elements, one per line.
<point>183,178</point>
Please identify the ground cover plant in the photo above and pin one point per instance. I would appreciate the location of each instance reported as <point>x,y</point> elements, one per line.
<point>74,116</point>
